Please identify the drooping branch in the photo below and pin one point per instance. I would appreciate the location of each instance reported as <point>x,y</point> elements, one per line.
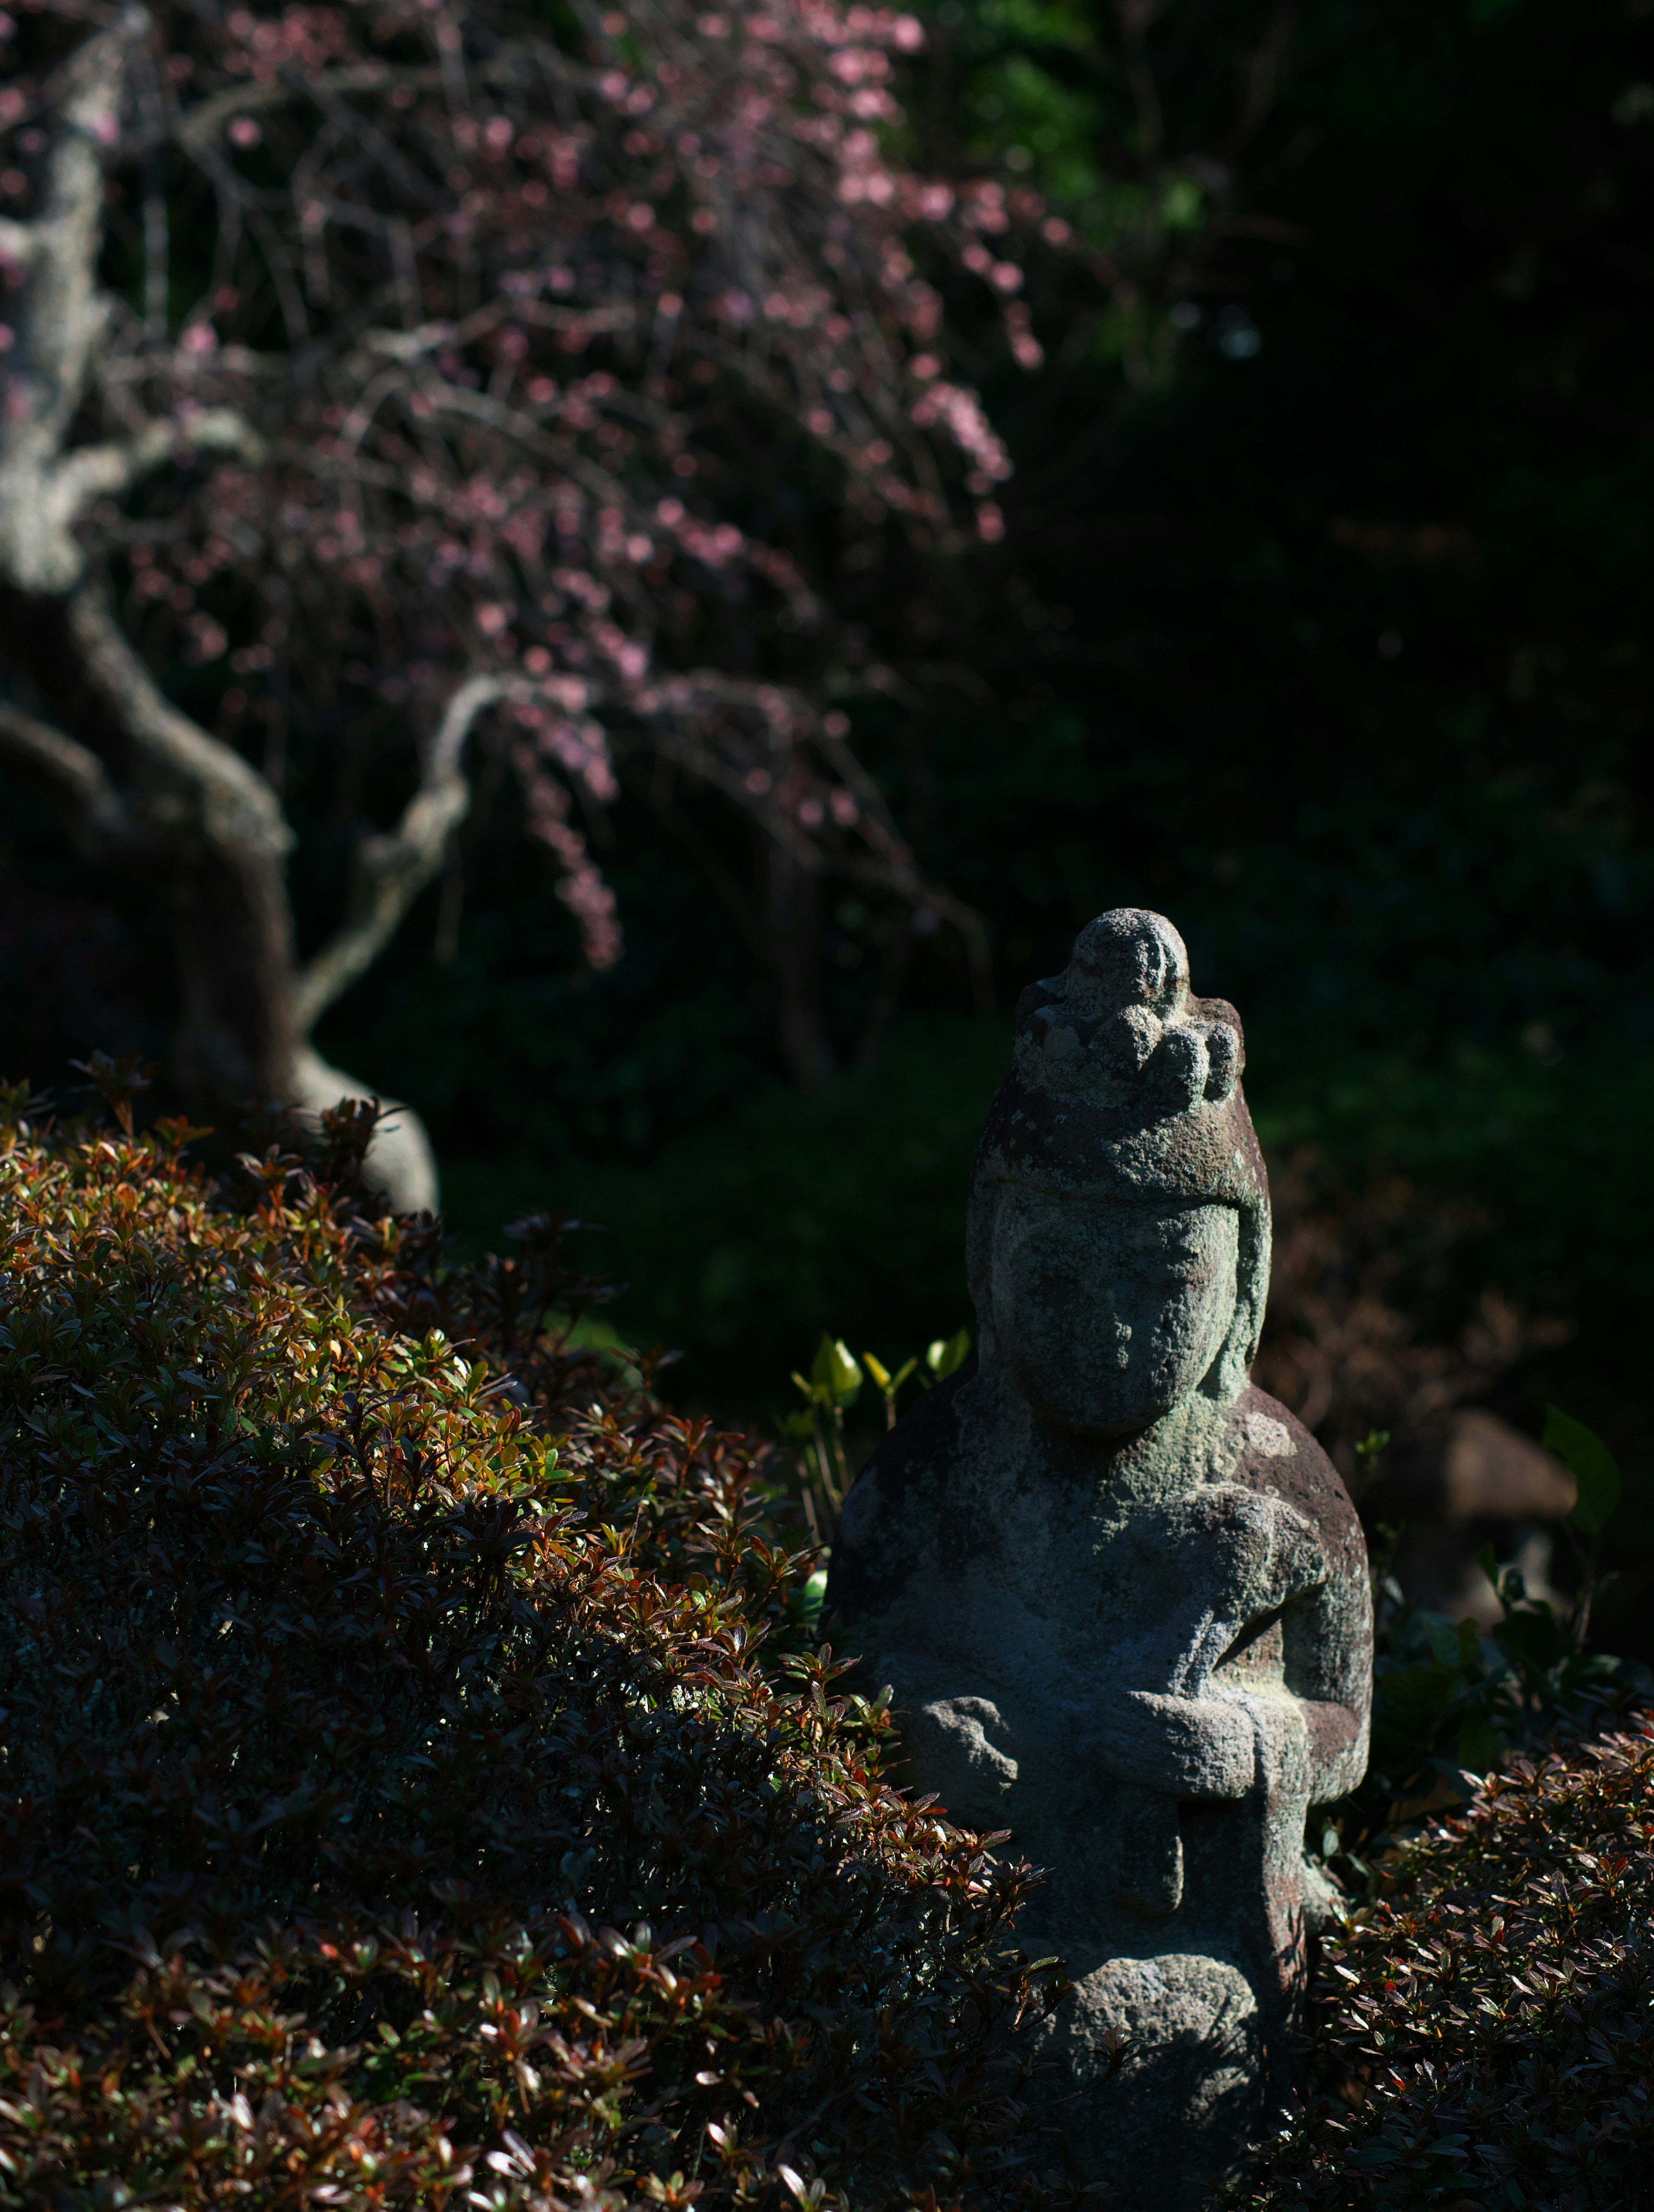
<point>392,868</point>
<point>74,781</point>
<point>191,785</point>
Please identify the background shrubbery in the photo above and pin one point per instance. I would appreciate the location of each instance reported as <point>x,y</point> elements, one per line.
<point>418,1783</point>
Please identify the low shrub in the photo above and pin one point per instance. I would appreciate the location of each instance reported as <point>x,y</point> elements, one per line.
<point>1483,2033</point>
<point>1451,1703</point>
<point>416,1785</point>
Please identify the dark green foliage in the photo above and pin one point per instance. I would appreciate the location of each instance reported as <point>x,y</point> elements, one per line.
<point>1450,1702</point>
<point>1484,2032</point>
<point>743,1238</point>
<point>354,1680</point>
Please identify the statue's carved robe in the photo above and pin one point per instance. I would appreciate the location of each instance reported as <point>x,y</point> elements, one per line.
<point>1147,1661</point>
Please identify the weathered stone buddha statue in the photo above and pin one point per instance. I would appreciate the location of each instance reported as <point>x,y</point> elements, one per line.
<point>1119,1595</point>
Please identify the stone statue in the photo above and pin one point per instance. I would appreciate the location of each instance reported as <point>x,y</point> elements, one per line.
<point>1120,1595</point>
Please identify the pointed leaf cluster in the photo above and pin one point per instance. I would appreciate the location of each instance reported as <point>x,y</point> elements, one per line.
<point>1485,2027</point>
<point>416,1786</point>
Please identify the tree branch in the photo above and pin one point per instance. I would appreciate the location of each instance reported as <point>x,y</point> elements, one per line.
<point>75,782</point>
<point>90,471</point>
<point>198,129</point>
<point>393,868</point>
<point>60,315</point>
<point>192,785</point>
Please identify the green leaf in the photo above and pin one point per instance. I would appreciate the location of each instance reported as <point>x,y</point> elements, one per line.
<point>947,1354</point>
<point>834,1369</point>
<point>1480,1750</point>
<point>1536,1640</point>
<point>877,1370</point>
<point>1443,1637</point>
<point>1592,1465</point>
<point>1487,1560</point>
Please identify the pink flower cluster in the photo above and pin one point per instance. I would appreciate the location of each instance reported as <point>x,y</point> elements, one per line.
<point>581,886</point>
<point>528,286</point>
<point>300,38</point>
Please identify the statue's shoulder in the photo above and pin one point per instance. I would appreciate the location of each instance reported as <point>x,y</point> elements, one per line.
<point>897,1504</point>
<point>1271,1449</point>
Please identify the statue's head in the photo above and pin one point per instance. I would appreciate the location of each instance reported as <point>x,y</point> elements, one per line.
<point>1118,1243</point>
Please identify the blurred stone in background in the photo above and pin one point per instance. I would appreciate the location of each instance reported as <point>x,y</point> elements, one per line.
<point>1476,1481</point>
<point>1369,1337</point>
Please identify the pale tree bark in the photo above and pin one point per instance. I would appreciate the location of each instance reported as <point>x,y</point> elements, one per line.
<point>138,783</point>
<point>541,569</point>
<point>141,786</point>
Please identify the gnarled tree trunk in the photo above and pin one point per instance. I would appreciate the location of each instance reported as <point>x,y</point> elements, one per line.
<point>141,786</point>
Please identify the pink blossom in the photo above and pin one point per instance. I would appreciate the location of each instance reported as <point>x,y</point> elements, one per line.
<point>581,886</point>
<point>456,492</point>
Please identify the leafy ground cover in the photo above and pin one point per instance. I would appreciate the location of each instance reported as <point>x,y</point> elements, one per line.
<point>417,1784</point>
<point>421,1784</point>
<point>1483,2033</point>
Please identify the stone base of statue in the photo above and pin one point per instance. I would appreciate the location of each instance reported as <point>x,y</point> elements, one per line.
<point>1120,1595</point>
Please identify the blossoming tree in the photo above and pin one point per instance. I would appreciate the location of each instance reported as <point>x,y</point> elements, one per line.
<point>368,349</point>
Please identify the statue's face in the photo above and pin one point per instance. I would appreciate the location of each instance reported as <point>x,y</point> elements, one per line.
<point>1108,1314</point>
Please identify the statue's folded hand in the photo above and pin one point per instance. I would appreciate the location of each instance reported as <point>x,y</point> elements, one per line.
<point>1181,1747</point>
